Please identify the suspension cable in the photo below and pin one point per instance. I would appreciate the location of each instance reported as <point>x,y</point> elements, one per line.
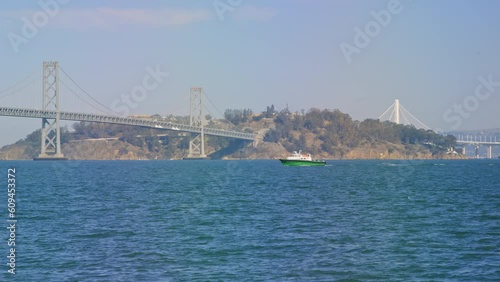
<point>105,107</point>
<point>421,123</point>
<point>223,116</point>
<point>18,84</point>
<point>82,99</point>
<point>386,111</point>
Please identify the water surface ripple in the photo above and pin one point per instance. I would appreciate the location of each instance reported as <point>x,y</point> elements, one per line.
<point>256,221</point>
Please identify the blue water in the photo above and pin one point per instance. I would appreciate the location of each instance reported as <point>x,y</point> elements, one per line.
<point>254,221</point>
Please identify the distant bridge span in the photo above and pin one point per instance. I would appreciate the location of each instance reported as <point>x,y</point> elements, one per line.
<point>51,115</point>
<point>473,141</point>
<point>162,125</point>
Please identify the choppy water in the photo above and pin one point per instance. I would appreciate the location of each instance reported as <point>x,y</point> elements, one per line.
<point>254,221</point>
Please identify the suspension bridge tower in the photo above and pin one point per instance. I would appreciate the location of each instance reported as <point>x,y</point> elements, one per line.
<point>398,114</point>
<point>396,111</point>
<point>51,130</point>
<point>196,118</point>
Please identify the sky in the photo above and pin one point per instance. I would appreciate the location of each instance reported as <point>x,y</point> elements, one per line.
<point>441,59</point>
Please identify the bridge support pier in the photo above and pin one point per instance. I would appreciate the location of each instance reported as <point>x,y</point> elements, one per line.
<point>197,142</point>
<point>51,130</point>
<point>477,151</point>
<point>489,152</point>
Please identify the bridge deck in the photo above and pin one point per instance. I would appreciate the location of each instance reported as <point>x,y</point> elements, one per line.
<point>478,142</point>
<point>34,113</point>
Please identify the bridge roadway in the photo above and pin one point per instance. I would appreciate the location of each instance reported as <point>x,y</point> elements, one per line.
<point>485,143</point>
<point>34,113</point>
<point>475,143</point>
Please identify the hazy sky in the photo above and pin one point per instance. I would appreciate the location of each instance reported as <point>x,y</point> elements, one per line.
<point>250,54</point>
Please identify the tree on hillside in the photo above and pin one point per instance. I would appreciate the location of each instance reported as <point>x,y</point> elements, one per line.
<point>448,141</point>
<point>238,116</point>
<point>313,119</point>
<point>371,129</point>
<point>270,112</point>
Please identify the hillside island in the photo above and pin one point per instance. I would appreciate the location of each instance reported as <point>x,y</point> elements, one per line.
<point>324,133</point>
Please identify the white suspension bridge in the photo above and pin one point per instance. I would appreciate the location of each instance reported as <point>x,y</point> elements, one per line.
<point>48,90</point>
<point>398,114</point>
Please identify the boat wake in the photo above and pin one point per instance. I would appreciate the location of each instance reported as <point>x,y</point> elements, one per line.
<point>392,164</point>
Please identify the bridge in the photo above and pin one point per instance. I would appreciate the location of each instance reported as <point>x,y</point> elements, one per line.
<point>478,141</point>
<point>51,116</point>
<point>398,114</point>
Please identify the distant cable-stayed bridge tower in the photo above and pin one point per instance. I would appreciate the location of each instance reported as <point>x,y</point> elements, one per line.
<point>398,114</point>
<point>396,111</point>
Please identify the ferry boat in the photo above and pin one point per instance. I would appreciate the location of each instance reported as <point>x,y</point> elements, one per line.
<point>299,159</point>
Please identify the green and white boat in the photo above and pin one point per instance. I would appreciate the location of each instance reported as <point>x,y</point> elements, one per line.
<point>299,159</point>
